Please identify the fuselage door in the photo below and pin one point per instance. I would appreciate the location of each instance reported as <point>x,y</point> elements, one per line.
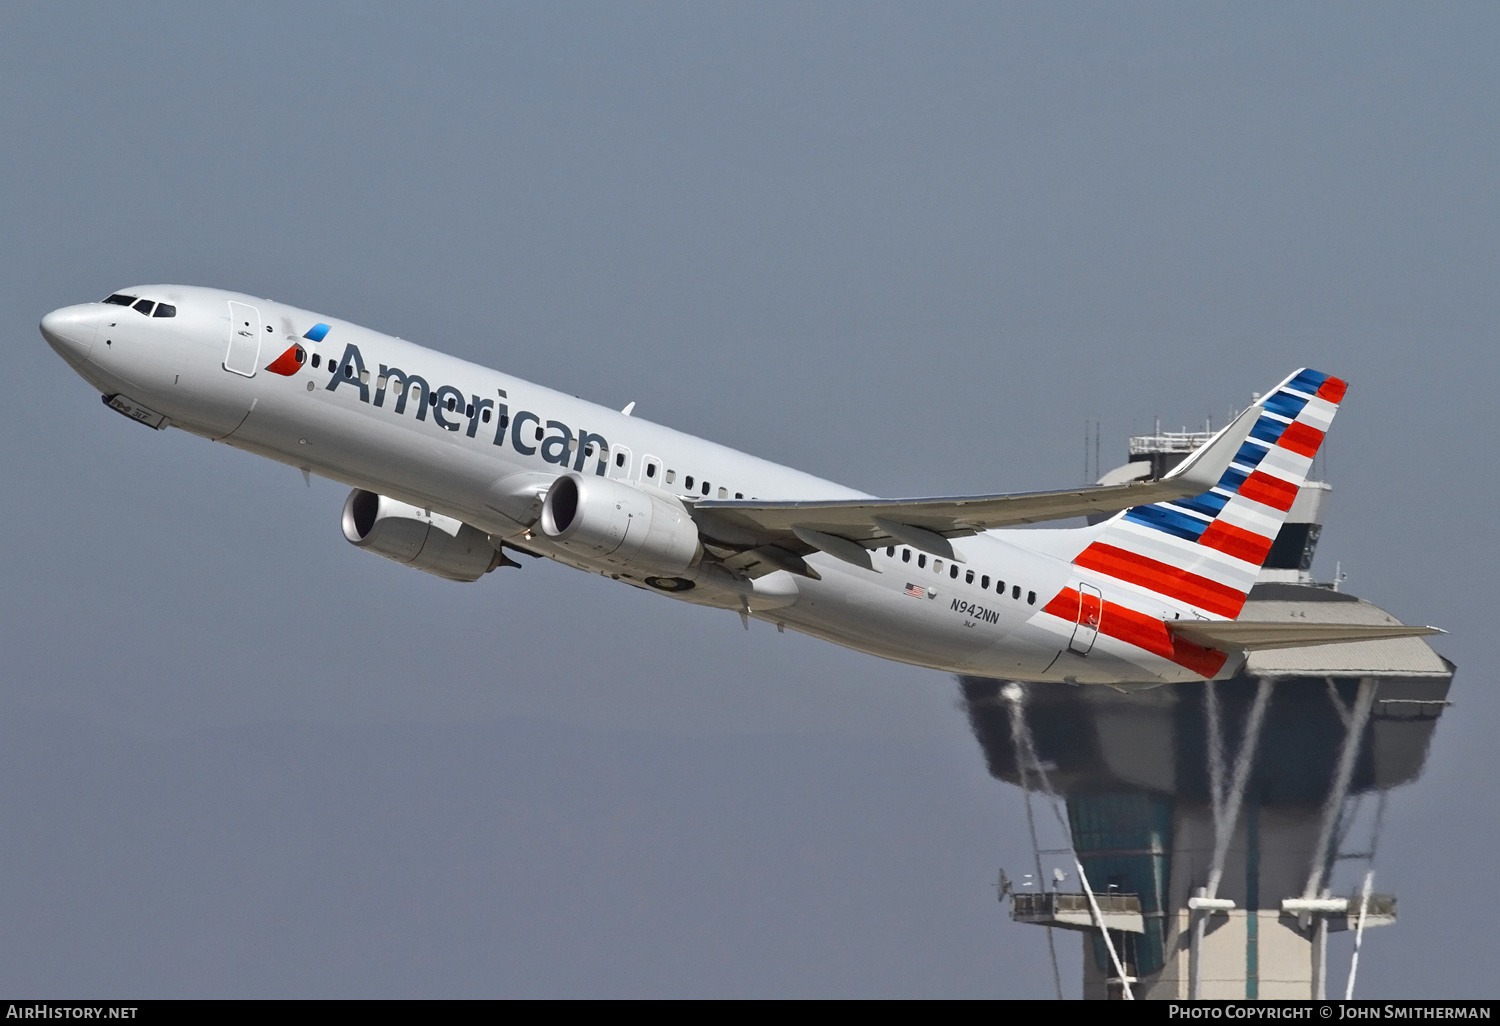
<point>243,354</point>
<point>1090,612</point>
<point>619,463</point>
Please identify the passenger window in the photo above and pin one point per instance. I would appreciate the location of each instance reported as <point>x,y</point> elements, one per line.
<point>539,432</point>
<point>484,415</point>
<point>144,306</point>
<point>937,566</point>
<point>119,299</point>
<point>984,582</point>
<point>671,476</point>
<point>921,559</point>
<point>452,403</point>
<point>687,481</point>
<point>890,550</point>
<point>739,495</point>
<point>1015,592</point>
<point>723,492</point>
<point>906,555</point>
<point>165,310</point>
<point>651,470</point>
<point>1031,598</point>
<point>619,459</point>
<point>317,359</point>
<point>349,373</point>
<point>705,488</point>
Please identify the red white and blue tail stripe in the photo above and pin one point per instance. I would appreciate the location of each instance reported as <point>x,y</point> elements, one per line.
<point>1205,552</point>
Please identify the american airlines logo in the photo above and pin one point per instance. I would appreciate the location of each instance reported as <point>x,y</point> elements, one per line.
<point>526,432</point>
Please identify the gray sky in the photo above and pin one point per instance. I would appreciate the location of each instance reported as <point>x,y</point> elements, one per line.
<point>910,248</point>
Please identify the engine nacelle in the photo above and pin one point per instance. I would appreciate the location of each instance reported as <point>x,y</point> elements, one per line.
<point>424,541</point>
<point>619,525</point>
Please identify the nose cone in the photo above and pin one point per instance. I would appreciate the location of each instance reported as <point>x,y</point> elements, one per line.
<point>71,331</point>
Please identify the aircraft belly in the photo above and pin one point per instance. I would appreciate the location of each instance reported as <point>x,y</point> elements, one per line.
<point>178,379</point>
<point>414,461</point>
<point>875,615</point>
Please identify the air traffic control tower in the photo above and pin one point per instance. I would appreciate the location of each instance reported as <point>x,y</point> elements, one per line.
<point>1204,839</point>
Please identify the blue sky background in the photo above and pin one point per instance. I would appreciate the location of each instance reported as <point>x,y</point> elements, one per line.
<point>912,248</point>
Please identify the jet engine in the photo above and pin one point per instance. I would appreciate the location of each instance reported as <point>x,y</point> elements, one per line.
<point>620,525</point>
<point>422,540</point>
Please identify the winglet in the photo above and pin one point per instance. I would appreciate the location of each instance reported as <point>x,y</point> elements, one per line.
<point>1205,467</point>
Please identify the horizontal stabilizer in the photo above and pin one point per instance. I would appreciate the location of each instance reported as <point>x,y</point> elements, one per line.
<point>1248,636</point>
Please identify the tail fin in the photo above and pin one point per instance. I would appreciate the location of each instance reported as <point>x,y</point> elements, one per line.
<point>1206,551</point>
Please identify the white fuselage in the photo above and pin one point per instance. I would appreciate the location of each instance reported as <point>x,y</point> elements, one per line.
<point>487,459</point>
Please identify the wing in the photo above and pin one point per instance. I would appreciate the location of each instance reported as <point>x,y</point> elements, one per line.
<point>848,529</point>
<point>1248,636</point>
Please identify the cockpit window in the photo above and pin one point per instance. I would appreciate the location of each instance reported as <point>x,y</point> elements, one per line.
<point>120,299</point>
<point>144,306</point>
<point>165,310</point>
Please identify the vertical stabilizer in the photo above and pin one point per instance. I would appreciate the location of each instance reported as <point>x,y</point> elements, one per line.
<point>1206,551</point>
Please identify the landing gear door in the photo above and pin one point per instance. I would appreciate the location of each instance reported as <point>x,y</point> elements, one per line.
<point>1090,613</point>
<point>243,354</point>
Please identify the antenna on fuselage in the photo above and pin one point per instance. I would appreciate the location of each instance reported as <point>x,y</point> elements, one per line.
<point>628,407</point>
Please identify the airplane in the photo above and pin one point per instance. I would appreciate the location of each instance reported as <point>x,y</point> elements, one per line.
<point>453,466</point>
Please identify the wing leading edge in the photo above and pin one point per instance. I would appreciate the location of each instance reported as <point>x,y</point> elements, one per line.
<point>842,528</point>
